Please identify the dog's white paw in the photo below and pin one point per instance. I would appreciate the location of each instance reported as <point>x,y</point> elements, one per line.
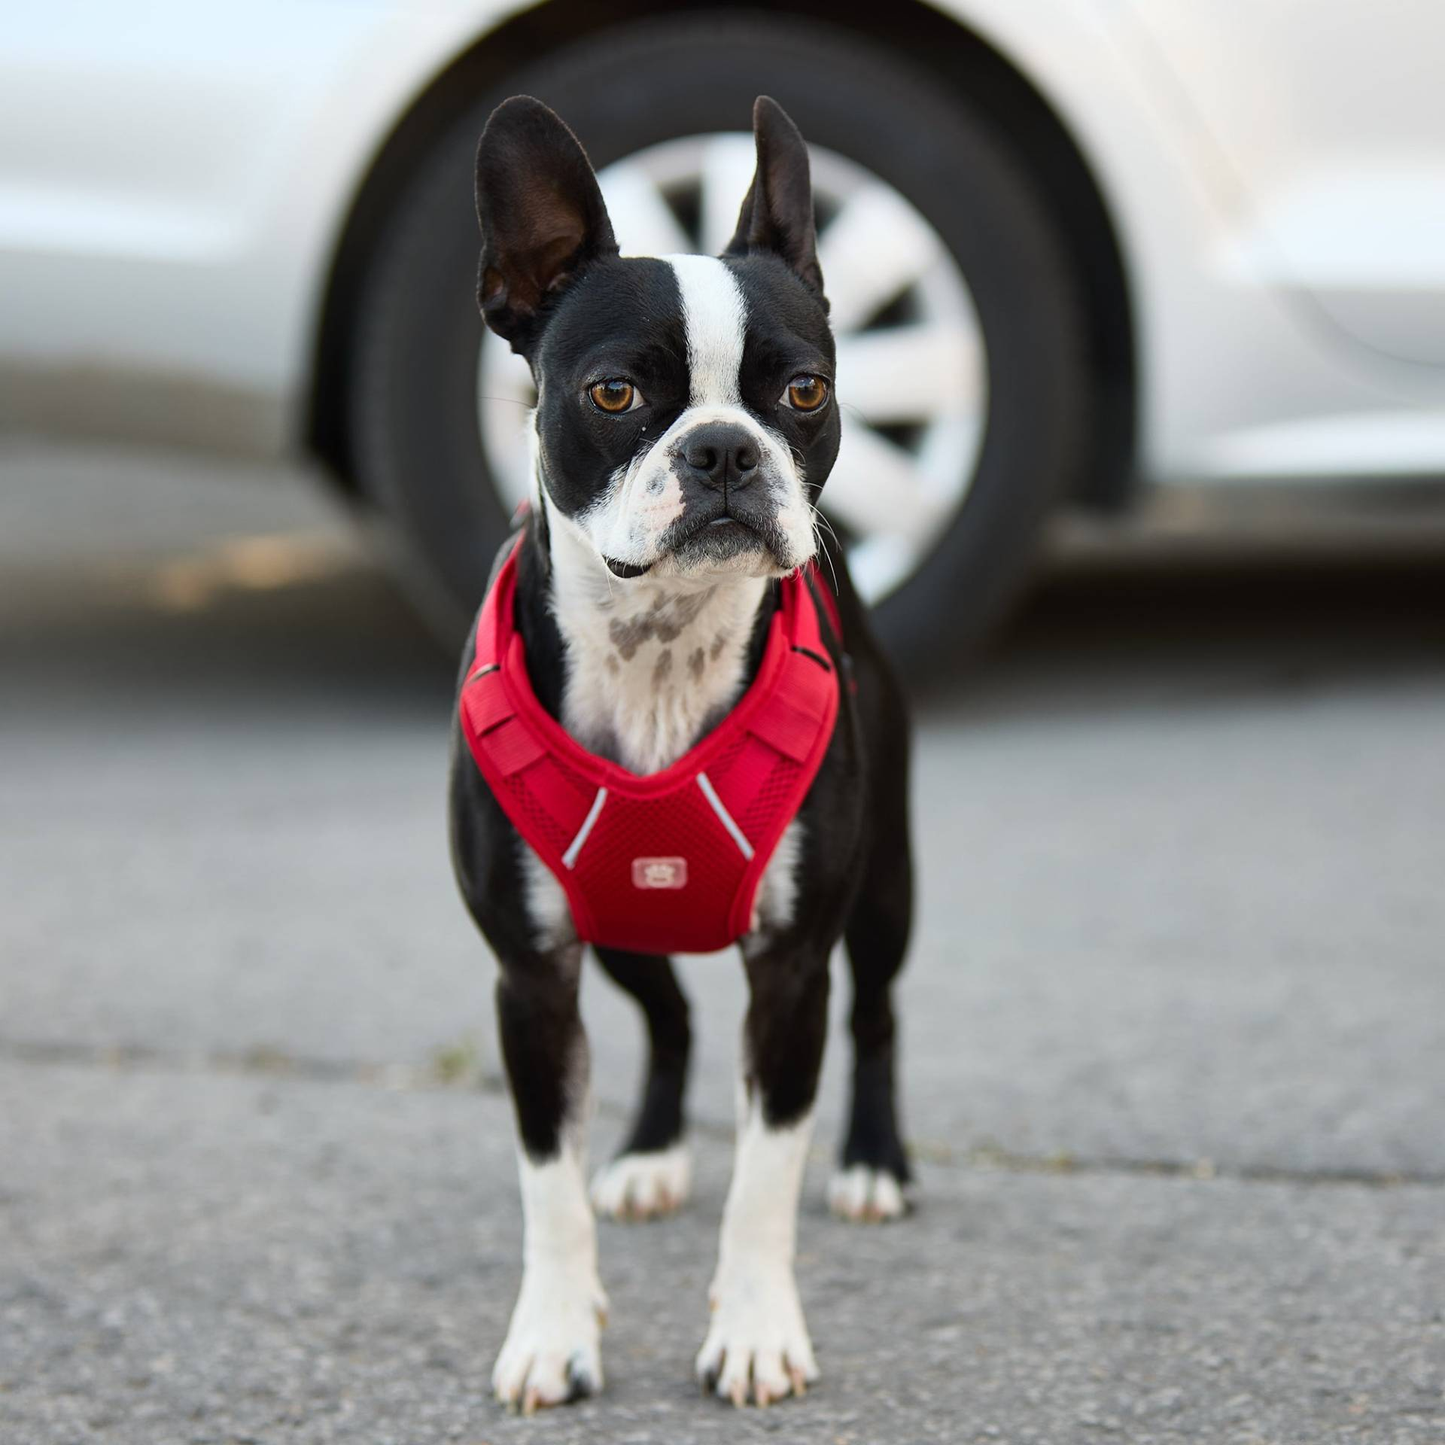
<point>757,1345</point>
<point>643,1186</point>
<point>866,1196</point>
<point>552,1352</point>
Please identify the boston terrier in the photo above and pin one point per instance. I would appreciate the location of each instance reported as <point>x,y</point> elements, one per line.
<point>686,422</point>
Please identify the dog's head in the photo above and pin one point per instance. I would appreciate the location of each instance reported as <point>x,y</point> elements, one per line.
<point>685,415</point>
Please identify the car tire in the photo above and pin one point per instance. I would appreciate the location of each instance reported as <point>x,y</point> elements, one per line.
<point>412,406</point>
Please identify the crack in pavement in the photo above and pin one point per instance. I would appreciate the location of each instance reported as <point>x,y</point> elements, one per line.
<point>453,1071</point>
<point>259,1061</point>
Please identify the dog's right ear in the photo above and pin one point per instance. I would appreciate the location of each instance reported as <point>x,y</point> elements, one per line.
<point>541,213</point>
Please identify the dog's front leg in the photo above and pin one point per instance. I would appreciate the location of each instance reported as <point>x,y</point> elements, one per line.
<point>551,1353</point>
<point>757,1344</point>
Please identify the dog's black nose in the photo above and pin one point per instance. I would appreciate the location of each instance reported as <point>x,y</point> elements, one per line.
<point>721,455</point>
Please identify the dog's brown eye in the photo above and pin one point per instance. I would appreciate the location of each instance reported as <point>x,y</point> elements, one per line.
<point>614,395</point>
<point>807,393</point>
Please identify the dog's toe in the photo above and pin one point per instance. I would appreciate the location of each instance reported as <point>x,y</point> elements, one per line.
<point>757,1347</point>
<point>535,1376</point>
<point>863,1195</point>
<point>643,1186</point>
<point>552,1353</point>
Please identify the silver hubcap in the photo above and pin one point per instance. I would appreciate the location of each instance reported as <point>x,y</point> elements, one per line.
<point>912,375</point>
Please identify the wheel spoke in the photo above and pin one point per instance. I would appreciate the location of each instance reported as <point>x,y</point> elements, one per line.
<point>875,487</point>
<point>879,564</point>
<point>910,373</point>
<point>727,172</point>
<point>875,247</point>
<point>950,443</point>
<point>643,220</point>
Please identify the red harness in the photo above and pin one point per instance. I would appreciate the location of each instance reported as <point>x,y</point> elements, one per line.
<point>666,862</point>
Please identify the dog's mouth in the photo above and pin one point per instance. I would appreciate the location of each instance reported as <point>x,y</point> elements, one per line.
<point>714,538</point>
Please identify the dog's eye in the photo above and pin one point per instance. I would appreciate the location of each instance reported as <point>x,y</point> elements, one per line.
<point>806,393</point>
<point>615,395</point>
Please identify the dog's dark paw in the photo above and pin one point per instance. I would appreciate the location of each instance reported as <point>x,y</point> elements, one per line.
<point>863,1194</point>
<point>583,1377</point>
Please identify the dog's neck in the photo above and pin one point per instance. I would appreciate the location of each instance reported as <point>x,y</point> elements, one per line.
<point>649,666</point>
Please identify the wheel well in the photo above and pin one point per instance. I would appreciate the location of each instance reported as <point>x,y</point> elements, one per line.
<point>931,40</point>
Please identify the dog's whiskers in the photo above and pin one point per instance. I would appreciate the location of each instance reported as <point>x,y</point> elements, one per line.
<point>820,522</point>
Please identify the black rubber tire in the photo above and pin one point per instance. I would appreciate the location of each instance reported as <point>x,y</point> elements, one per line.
<point>413,403</point>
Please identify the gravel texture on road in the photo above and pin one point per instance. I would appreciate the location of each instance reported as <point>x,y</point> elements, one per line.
<point>208,1260</point>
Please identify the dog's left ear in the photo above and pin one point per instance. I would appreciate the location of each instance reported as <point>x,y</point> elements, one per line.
<point>777,213</point>
<point>541,213</point>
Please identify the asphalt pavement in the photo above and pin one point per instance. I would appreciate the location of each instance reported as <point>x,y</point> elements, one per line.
<point>1174,1022</point>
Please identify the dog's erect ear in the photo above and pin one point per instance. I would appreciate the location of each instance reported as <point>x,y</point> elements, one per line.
<point>777,213</point>
<point>541,214</point>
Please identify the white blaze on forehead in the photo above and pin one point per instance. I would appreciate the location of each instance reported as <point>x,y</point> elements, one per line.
<point>716,319</point>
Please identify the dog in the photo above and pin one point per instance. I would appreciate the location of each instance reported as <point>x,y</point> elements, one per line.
<point>685,425</point>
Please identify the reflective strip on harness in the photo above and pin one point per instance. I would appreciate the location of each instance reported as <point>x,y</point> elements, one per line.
<point>724,817</point>
<point>569,858</point>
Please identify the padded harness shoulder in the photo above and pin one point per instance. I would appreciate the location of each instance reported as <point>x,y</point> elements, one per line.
<point>662,862</point>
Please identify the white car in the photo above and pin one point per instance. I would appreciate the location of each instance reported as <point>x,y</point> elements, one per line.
<point>1072,246</point>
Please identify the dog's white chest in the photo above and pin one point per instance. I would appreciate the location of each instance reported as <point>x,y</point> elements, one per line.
<point>650,668</point>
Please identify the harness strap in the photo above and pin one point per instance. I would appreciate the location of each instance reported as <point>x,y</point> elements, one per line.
<point>512,748</point>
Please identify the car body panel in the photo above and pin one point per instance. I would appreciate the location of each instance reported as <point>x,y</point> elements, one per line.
<point>1331,121</point>
<point>174,185</point>
<point>1237,378</point>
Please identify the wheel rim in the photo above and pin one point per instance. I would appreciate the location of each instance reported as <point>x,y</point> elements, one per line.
<point>912,370</point>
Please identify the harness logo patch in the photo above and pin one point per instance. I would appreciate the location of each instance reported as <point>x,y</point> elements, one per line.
<point>659,872</point>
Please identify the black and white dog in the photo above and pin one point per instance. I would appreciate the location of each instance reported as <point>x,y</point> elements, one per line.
<point>685,425</point>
